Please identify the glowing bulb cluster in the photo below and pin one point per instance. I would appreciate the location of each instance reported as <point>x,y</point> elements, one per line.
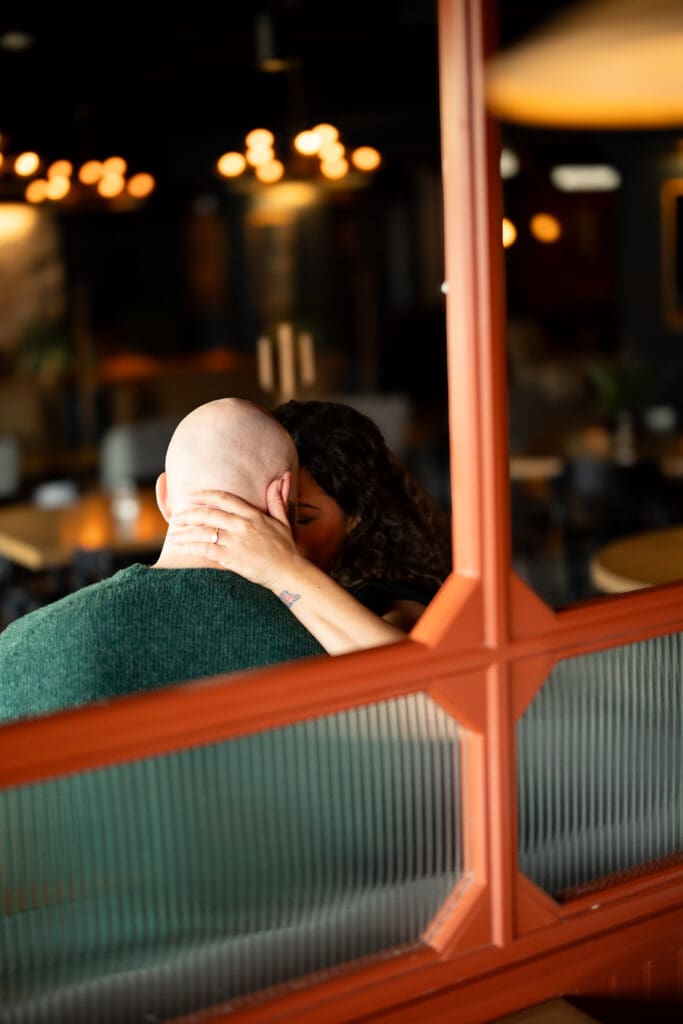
<point>107,176</point>
<point>322,142</point>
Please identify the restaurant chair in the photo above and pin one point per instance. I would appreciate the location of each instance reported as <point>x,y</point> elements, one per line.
<point>10,468</point>
<point>134,452</point>
<point>596,501</point>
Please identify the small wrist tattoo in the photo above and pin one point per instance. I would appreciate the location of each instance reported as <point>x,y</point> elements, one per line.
<point>289,599</point>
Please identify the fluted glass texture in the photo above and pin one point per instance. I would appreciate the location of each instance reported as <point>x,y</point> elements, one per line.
<point>600,765</point>
<point>160,886</point>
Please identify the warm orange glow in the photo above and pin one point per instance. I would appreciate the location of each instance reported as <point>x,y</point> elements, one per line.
<point>366,158</point>
<point>260,138</point>
<point>140,185</point>
<point>509,233</point>
<point>334,168</point>
<point>332,151</point>
<point>230,165</point>
<point>26,164</point>
<point>599,64</point>
<point>57,187</point>
<point>114,165</point>
<point>90,172</point>
<point>545,228</point>
<point>60,169</point>
<point>327,132</point>
<point>270,172</point>
<point>36,191</point>
<point>259,157</point>
<point>308,143</point>
<point>2,159</point>
<point>110,185</point>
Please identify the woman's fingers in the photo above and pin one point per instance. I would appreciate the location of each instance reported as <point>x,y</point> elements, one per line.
<point>224,500</point>
<point>207,516</point>
<point>198,535</point>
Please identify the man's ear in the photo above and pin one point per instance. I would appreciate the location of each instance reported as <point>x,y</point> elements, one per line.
<point>285,487</point>
<point>161,491</point>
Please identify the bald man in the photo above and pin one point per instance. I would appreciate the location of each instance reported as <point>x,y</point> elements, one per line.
<point>180,619</point>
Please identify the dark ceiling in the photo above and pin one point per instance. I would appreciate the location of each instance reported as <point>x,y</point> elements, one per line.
<point>171,97</point>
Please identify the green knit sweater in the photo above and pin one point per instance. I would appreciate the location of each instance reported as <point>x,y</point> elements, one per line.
<point>142,628</point>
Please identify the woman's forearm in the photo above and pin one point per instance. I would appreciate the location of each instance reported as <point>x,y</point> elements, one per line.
<point>336,619</point>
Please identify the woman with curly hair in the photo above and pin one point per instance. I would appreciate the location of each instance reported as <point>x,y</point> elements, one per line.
<point>369,547</point>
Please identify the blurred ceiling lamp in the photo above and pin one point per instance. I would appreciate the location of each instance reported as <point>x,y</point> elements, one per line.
<point>545,228</point>
<point>327,132</point>
<point>270,172</point>
<point>90,172</point>
<point>334,169</point>
<point>585,177</point>
<point>107,176</point>
<point>111,185</point>
<point>140,185</point>
<point>26,164</point>
<point>259,157</point>
<point>231,165</point>
<point>309,142</point>
<point>509,163</point>
<point>60,169</point>
<point>259,138</point>
<point>599,64</point>
<point>57,187</point>
<point>509,233</point>
<point>366,158</point>
<point>321,141</point>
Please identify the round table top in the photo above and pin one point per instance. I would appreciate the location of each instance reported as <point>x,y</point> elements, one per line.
<point>638,561</point>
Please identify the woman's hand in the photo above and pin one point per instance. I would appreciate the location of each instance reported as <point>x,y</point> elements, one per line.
<point>226,530</point>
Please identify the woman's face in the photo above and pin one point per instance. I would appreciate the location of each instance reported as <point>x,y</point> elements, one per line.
<point>321,526</point>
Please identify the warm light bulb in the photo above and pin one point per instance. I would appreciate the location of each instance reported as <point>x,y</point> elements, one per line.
<point>308,143</point>
<point>57,186</point>
<point>545,228</point>
<point>334,168</point>
<point>140,185</point>
<point>114,165</point>
<point>110,185</point>
<point>230,165</point>
<point>259,157</point>
<point>509,163</point>
<point>509,233</point>
<point>260,138</point>
<point>26,164</point>
<point>36,191</point>
<point>90,172</point>
<point>366,158</point>
<point>60,169</point>
<point>327,132</point>
<point>331,152</point>
<point>270,172</point>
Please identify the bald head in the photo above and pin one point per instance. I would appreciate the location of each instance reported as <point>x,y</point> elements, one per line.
<point>231,445</point>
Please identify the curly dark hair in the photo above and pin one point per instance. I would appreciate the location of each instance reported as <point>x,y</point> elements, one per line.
<point>402,533</point>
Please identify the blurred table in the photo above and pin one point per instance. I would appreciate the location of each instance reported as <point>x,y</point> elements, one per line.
<point>536,467</point>
<point>638,561</point>
<point>46,538</point>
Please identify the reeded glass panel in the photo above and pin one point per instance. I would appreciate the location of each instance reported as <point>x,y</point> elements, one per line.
<point>600,751</point>
<point>161,886</point>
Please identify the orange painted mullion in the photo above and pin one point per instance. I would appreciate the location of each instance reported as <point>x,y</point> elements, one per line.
<point>478,397</point>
